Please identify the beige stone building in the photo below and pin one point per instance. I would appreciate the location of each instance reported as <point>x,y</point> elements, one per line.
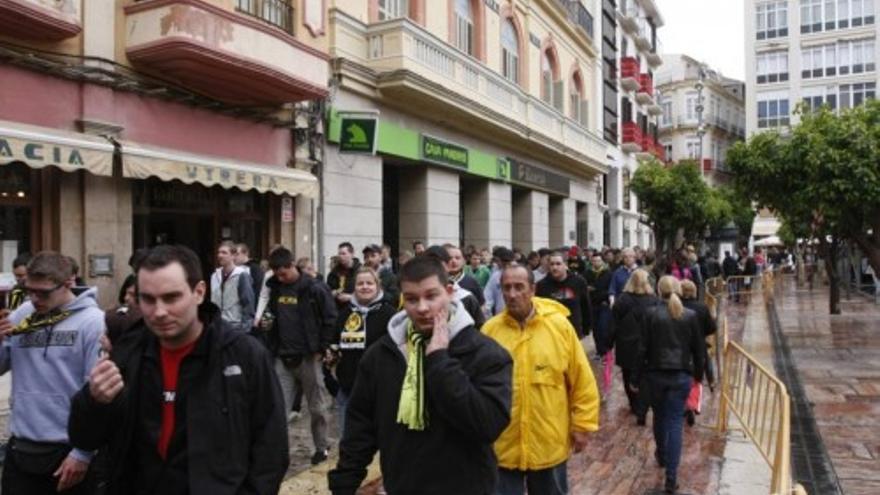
<point>125,124</point>
<point>723,117</point>
<point>488,126</point>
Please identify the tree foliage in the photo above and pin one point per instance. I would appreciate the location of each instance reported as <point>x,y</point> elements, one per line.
<point>676,198</point>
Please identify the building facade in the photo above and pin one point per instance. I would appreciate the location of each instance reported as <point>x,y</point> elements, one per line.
<point>681,82</point>
<point>126,124</point>
<point>486,124</point>
<point>630,55</point>
<point>809,53</point>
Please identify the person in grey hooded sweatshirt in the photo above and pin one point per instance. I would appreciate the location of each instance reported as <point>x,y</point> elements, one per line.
<point>232,289</point>
<point>50,344</point>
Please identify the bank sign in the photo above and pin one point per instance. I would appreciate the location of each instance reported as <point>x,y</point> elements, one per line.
<point>443,153</point>
<point>358,134</point>
<point>537,178</point>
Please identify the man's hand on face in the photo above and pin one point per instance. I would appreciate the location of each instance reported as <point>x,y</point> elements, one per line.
<point>440,337</point>
<point>70,473</point>
<point>105,381</point>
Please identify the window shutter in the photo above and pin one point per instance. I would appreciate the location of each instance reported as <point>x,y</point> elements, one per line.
<point>557,96</point>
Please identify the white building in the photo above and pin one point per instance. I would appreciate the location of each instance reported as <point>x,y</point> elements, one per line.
<point>811,51</point>
<point>630,44</point>
<point>723,115</point>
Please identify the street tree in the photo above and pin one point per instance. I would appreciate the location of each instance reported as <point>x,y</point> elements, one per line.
<point>824,173</point>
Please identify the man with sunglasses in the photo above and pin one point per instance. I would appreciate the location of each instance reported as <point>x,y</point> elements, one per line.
<point>50,343</point>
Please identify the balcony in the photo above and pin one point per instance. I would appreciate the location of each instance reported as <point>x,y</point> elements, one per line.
<point>629,73</point>
<point>628,16</point>
<point>39,20</point>
<point>633,140</point>
<point>243,58</point>
<point>415,69</point>
<point>654,108</point>
<point>578,15</point>
<point>643,35</point>
<point>653,57</point>
<point>645,94</point>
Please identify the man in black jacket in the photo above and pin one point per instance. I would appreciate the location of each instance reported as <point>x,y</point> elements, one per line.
<point>431,396</point>
<point>304,329</point>
<point>341,278</point>
<point>568,289</point>
<point>187,405</point>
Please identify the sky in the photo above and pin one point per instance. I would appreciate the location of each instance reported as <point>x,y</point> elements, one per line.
<point>711,31</point>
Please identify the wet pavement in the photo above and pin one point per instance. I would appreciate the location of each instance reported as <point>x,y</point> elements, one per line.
<point>838,362</point>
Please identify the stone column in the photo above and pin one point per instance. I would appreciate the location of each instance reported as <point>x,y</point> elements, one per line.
<point>429,204</point>
<point>563,222</point>
<point>531,218</point>
<point>488,215</point>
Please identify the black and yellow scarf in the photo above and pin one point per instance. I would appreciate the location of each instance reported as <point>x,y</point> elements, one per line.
<point>17,297</point>
<point>36,321</point>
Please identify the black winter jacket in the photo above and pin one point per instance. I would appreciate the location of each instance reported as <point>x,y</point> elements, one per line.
<point>314,329</point>
<point>625,331</point>
<point>231,431</point>
<point>376,323</point>
<point>468,398</point>
<point>704,317</point>
<point>671,345</point>
<point>571,293</point>
<point>470,284</point>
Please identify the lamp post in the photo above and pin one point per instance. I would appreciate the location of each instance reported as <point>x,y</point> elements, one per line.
<point>701,127</point>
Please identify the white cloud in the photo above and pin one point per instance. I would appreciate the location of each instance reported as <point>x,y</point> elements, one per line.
<point>711,31</point>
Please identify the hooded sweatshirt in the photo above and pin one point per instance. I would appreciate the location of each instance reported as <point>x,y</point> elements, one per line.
<point>49,365</point>
<point>234,295</point>
<point>360,326</point>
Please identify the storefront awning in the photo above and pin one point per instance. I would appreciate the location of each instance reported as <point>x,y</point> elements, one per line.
<point>140,162</point>
<point>765,226</point>
<point>40,147</point>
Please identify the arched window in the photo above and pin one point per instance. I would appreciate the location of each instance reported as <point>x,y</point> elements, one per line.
<point>546,77</point>
<point>464,27</point>
<point>509,51</point>
<point>578,109</point>
<point>551,83</point>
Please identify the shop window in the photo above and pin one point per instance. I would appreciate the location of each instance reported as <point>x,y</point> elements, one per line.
<point>16,213</point>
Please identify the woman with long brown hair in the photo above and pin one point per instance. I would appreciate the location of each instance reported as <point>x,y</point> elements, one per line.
<point>671,355</point>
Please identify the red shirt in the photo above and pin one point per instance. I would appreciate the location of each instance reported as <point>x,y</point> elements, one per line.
<point>170,360</point>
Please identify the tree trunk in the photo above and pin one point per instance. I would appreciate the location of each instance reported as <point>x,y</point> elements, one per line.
<point>831,255</point>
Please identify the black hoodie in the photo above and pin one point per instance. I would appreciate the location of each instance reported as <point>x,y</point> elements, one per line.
<point>571,293</point>
<point>358,328</point>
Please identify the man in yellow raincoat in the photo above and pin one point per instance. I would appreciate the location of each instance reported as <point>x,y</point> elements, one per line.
<point>555,399</point>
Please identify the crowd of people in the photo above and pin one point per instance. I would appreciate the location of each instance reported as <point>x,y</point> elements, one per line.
<point>464,368</point>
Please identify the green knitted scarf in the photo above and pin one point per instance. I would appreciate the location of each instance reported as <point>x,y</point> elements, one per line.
<point>411,409</point>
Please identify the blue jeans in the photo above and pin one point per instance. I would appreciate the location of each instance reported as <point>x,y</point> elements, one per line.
<point>550,481</point>
<point>341,406</point>
<point>600,329</point>
<point>669,391</point>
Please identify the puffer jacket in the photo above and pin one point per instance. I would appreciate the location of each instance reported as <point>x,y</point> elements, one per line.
<point>554,388</point>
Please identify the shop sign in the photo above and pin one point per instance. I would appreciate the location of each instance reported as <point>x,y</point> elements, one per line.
<point>286,210</point>
<point>437,151</point>
<point>358,134</point>
<point>39,152</point>
<point>228,177</point>
<point>538,178</point>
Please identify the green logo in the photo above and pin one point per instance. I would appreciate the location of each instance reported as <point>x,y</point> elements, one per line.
<point>358,135</point>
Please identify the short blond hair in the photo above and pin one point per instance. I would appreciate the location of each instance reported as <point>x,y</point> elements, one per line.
<point>688,289</point>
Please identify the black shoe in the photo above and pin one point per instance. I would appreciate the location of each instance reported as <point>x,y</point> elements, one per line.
<point>660,461</point>
<point>320,456</point>
<point>640,421</point>
<point>671,486</point>
<point>690,417</point>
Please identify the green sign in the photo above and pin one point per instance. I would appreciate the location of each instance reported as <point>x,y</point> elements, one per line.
<point>358,135</point>
<point>437,151</point>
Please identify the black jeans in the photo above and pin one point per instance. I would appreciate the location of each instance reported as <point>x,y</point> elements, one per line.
<point>638,401</point>
<point>31,473</point>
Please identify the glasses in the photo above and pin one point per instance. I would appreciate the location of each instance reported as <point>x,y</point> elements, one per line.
<point>42,293</point>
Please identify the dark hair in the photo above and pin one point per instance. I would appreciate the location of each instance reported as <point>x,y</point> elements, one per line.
<point>422,267</point>
<point>281,258</point>
<point>136,257</point>
<point>439,253</point>
<point>228,245</point>
<point>416,243</point>
<point>560,254</point>
<point>545,252</point>
<point>50,265</point>
<point>162,256</point>
<point>129,281</point>
<point>243,248</point>
<point>347,245</point>
<point>533,255</point>
<point>517,266</point>
<point>21,260</point>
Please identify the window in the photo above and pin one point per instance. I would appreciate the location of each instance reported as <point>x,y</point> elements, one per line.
<point>772,67</point>
<point>772,111</point>
<point>627,192</point>
<point>509,51</point>
<point>771,19</point>
<point>856,56</point>
<point>666,119</point>
<point>580,110</point>
<point>626,110</point>
<point>855,13</point>
<point>853,95</point>
<point>815,97</point>
<point>811,16</point>
<point>693,148</point>
<point>667,151</point>
<point>464,26</point>
<point>546,77</point>
<point>691,106</point>
<point>392,9</point>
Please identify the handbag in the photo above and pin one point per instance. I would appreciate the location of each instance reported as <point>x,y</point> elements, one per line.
<point>37,458</point>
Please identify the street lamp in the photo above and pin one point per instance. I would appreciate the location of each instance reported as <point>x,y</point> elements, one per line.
<point>701,128</point>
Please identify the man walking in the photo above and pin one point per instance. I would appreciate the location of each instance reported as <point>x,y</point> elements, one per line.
<point>18,295</point>
<point>621,275</point>
<point>304,329</point>
<point>455,268</point>
<point>232,290</point>
<point>431,397</point>
<point>373,259</point>
<point>50,344</point>
<point>494,300</point>
<point>555,401</point>
<point>243,258</point>
<point>569,290</point>
<point>188,405</point>
<point>341,278</point>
